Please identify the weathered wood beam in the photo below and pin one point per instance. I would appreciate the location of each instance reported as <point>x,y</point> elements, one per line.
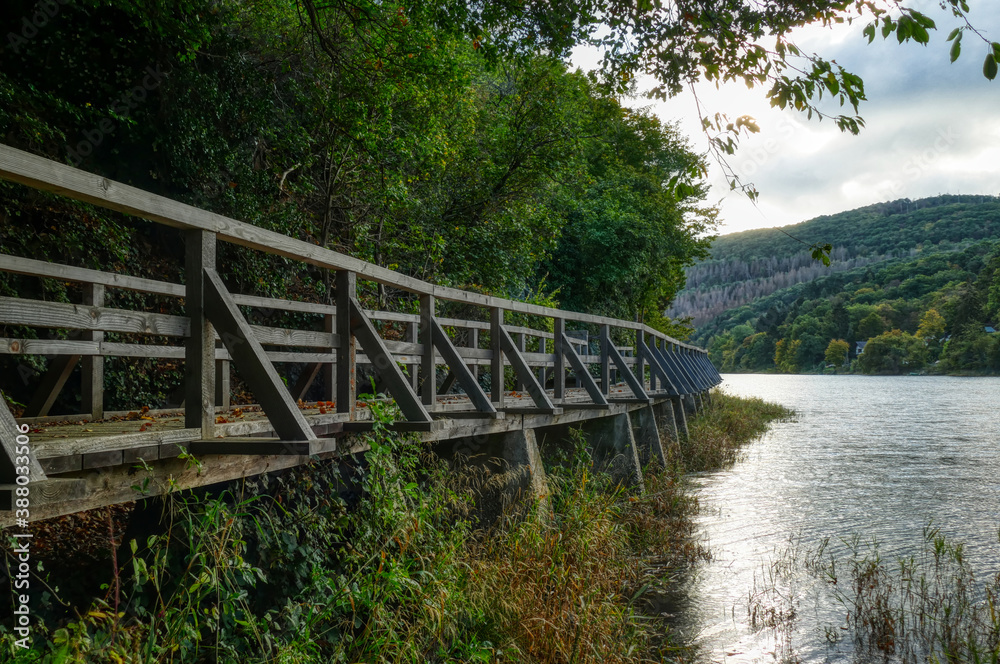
<point>258,446</point>
<point>92,366</point>
<point>347,389</point>
<point>428,363</point>
<point>605,359</point>
<point>461,372</point>
<point>305,380</point>
<point>60,369</point>
<point>385,365</point>
<point>559,366</point>
<point>252,363</point>
<point>583,374</point>
<point>199,355</point>
<point>497,376</point>
<point>329,369</point>
<point>9,432</point>
<point>679,380</point>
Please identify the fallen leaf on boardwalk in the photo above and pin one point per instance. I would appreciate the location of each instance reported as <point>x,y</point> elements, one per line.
<point>151,419</point>
<point>221,420</point>
<point>322,410</point>
<point>145,426</point>
<point>238,412</point>
<point>145,409</point>
<point>132,416</point>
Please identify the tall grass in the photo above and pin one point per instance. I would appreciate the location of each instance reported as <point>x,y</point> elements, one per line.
<point>280,569</point>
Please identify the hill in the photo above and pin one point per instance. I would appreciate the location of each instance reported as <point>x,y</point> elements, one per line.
<point>919,281</point>
<point>753,264</point>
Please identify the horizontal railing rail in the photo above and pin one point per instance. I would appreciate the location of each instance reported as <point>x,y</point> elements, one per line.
<point>214,333</point>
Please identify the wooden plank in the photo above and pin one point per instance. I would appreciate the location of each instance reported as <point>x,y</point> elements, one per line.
<point>385,365</point>
<point>44,492</point>
<point>36,268</point>
<point>54,448</point>
<point>222,383</point>
<point>199,358</point>
<point>413,336</point>
<point>283,305</point>
<point>582,373</point>
<point>347,389</point>
<point>35,313</point>
<point>462,373</point>
<point>447,384</point>
<point>524,372</point>
<point>255,446</point>
<point>251,362</point>
<point>102,459</point>
<point>59,371</point>
<point>329,371</point>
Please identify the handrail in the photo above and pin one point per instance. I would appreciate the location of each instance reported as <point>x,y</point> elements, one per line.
<point>47,175</point>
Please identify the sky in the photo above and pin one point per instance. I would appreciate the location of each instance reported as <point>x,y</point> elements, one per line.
<point>932,127</point>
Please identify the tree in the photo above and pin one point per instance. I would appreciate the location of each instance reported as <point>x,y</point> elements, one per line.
<point>932,326</point>
<point>836,352</point>
<point>870,326</point>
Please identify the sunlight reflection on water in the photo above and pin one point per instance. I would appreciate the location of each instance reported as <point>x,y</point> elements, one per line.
<point>869,456</point>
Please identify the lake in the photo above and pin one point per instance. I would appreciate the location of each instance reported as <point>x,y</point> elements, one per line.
<point>864,457</point>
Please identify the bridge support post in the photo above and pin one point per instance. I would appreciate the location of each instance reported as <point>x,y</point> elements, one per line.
<point>647,437</point>
<point>515,459</point>
<point>615,449</point>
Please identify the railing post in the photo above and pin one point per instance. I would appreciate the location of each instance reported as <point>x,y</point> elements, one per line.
<point>413,336</point>
<point>330,369</point>
<point>199,354</point>
<point>542,370</point>
<point>496,366</point>
<point>222,381</point>
<point>92,392</point>
<point>429,365</point>
<point>347,286</point>
<point>640,359</point>
<point>606,359</point>
<point>559,371</point>
<point>474,343</point>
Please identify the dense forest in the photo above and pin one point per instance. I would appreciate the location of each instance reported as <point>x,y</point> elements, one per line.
<point>388,133</point>
<point>917,281</point>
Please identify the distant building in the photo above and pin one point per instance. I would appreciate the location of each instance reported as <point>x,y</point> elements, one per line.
<point>860,347</point>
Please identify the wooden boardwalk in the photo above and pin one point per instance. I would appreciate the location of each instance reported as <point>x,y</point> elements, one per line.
<point>567,367</point>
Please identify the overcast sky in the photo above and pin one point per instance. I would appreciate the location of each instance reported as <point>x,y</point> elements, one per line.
<point>932,127</point>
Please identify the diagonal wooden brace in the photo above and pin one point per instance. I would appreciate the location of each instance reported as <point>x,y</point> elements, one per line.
<point>251,360</point>
<point>460,370</point>
<point>581,371</point>
<point>385,364</point>
<point>60,369</point>
<point>671,364</point>
<point>630,378</point>
<point>657,367</point>
<point>9,431</point>
<point>523,371</point>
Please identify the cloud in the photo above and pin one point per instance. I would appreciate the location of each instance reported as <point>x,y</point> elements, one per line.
<point>931,128</point>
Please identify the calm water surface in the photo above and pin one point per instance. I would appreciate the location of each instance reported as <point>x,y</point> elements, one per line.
<point>870,456</point>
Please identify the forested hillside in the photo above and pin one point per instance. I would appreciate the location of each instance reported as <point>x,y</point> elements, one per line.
<point>917,280</point>
<point>752,264</point>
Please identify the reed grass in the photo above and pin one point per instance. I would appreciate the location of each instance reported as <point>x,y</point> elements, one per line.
<point>282,570</point>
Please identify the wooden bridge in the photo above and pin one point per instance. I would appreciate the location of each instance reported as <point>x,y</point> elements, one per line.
<point>575,371</point>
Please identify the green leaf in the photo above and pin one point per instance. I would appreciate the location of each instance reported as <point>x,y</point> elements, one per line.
<point>956,49</point>
<point>954,33</point>
<point>990,66</point>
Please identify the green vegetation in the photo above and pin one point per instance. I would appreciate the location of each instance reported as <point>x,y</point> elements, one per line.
<point>282,570</point>
<point>923,298</point>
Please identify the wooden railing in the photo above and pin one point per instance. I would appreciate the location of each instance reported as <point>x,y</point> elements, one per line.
<point>214,333</point>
